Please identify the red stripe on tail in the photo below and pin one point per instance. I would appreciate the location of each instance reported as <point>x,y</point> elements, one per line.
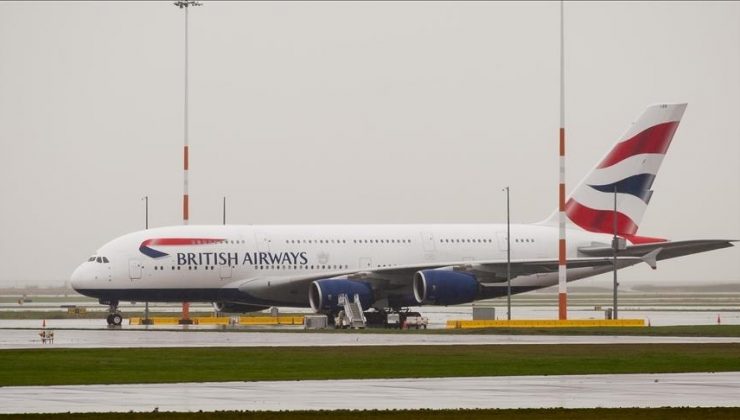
<point>601,221</point>
<point>655,139</point>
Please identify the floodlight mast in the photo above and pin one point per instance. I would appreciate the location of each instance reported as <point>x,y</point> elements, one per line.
<point>615,248</point>
<point>146,320</point>
<point>508,257</point>
<point>562,249</point>
<point>185,196</point>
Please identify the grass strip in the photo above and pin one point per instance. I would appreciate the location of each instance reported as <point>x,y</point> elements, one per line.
<point>167,365</point>
<point>496,414</point>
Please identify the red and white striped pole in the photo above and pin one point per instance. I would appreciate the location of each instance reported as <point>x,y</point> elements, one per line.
<point>562,263</point>
<point>186,161</point>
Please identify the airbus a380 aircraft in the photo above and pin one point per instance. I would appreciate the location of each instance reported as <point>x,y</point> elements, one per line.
<point>247,268</point>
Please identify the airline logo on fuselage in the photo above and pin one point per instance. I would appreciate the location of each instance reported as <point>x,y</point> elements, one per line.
<point>145,248</point>
<point>219,258</point>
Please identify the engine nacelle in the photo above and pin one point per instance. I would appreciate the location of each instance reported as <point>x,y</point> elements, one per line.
<point>324,294</point>
<point>229,307</point>
<point>444,287</point>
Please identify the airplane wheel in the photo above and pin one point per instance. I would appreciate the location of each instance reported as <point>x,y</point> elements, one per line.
<point>116,319</point>
<point>109,318</point>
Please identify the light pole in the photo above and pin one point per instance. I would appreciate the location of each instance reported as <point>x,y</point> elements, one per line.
<point>562,248</point>
<point>146,320</point>
<point>186,4</point>
<point>146,212</point>
<point>508,257</point>
<point>185,197</point>
<point>615,246</point>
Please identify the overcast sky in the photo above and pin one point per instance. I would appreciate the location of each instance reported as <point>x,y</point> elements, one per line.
<point>349,112</point>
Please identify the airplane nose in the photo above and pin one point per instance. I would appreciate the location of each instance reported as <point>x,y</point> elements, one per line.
<point>77,279</point>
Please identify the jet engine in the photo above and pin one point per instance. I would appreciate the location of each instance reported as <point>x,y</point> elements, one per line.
<point>444,287</point>
<point>324,294</point>
<point>229,307</point>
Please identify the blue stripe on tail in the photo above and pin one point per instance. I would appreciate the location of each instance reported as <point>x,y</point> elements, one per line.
<point>637,185</point>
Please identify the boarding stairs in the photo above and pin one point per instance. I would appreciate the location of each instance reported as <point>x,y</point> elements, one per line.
<point>353,311</point>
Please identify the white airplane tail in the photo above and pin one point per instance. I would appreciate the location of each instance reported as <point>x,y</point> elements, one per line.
<point>630,167</point>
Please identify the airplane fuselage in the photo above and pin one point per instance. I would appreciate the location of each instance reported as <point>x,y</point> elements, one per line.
<point>260,264</point>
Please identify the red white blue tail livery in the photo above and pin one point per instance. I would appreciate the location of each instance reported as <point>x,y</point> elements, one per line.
<point>629,168</point>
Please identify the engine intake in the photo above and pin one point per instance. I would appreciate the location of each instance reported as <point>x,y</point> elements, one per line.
<point>324,294</point>
<point>444,287</point>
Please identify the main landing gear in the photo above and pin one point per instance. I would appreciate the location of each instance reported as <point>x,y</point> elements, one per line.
<point>114,317</point>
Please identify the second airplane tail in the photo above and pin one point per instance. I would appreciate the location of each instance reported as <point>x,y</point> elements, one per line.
<point>630,168</point>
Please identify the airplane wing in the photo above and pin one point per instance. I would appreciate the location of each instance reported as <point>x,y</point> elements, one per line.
<point>491,271</point>
<point>488,272</point>
<point>494,271</point>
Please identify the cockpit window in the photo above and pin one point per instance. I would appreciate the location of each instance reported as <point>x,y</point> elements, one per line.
<point>92,258</point>
<point>100,260</point>
<point>105,260</point>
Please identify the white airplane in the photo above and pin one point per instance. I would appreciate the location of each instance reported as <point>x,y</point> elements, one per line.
<point>388,267</point>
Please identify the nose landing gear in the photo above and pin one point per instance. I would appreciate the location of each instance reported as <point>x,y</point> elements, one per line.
<point>114,317</point>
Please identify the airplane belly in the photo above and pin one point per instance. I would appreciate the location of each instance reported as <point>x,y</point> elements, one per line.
<point>277,291</point>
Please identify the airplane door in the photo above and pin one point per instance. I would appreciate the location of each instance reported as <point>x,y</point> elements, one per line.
<point>502,245</point>
<point>134,269</point>
<point>263,241</point>
<point>366,262</point>
<point>428,240</point>
<point>225,272</point>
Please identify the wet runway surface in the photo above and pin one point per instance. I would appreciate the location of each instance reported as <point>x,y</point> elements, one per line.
<point>119,338</point>
<point>569,391</point>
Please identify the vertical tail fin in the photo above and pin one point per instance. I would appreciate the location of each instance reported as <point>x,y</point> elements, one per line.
<point>631,167</point>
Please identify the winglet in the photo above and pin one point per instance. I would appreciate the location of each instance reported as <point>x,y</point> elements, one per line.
<point>651,258</point>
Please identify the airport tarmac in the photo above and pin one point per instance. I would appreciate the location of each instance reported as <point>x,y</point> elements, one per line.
<point>656,309</point>
<point>122,338</point>
<point>439,315</point>
<point>569,391</point>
